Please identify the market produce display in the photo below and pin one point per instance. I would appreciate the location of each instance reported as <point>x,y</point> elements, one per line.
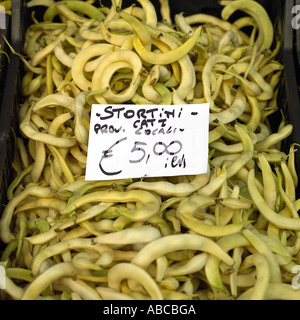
<point>231,233</point>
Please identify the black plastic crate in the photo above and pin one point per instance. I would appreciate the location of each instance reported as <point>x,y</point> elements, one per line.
<point>9,99</point>
<point>296,38</point>
<point>288,98</point>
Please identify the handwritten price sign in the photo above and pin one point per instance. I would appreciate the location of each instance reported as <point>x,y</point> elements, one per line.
<point>134,141</point>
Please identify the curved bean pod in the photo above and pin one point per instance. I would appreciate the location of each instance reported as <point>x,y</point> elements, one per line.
<point>82,7</point>
<point>99,77</point>
<point>151,204</point>
<point>124,270</point>
<point>165,57</point>
<point>263,274</point>
<point>278,220</point>
<point>82,58</point>
<point>259,14</point>
<point>165,188</point>
<point>53,273</point>
<point>171,243</point>
<point>7,214</point>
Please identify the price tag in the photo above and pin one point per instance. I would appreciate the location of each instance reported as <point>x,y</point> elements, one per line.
<point>135,141</point>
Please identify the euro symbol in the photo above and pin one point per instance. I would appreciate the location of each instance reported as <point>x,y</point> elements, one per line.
<point>108,154</point>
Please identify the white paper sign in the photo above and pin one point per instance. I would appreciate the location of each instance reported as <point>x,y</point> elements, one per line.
<point>2,278</point>
<point>135,141</point>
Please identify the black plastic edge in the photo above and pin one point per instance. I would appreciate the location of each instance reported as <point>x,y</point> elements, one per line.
<point>291,83</point>
<point>8,107</point>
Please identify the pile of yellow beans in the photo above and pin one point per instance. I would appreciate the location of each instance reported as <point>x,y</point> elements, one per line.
<point>230,233</point>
